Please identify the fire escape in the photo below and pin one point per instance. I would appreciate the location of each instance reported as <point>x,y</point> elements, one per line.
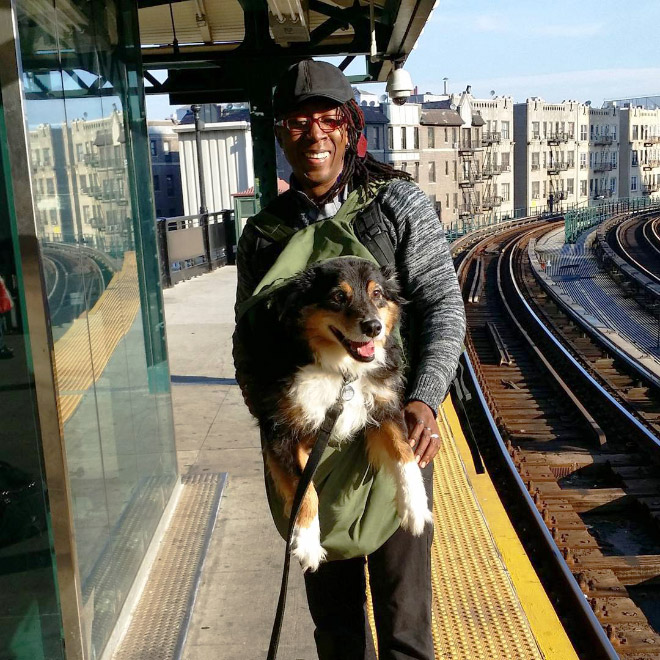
<point>470,175</point>
<point>602,166</point>
<point>490,141</point>
<point>554,167</point>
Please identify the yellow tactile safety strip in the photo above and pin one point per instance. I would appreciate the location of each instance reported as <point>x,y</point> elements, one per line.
<point>476,611</point>
<point>103,327</point>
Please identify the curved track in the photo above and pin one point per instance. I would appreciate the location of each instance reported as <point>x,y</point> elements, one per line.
<point>636,240</point>
<point>582,433</point>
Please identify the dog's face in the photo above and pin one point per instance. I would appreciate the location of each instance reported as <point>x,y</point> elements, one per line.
<point>347,308</point>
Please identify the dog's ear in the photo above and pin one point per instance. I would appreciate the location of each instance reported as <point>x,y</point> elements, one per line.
<point>289,299</point>
<point>391,286</point>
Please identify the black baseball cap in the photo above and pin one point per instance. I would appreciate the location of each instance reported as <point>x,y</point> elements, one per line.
<point>308,79</point>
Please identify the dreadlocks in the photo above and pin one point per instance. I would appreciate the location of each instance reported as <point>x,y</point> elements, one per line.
<point>359,172</point>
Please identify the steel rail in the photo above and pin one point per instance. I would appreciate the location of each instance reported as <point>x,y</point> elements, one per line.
<point>593,331</point>
<point>650,437</point>
<point>594,635</point>
<point>510,248</point>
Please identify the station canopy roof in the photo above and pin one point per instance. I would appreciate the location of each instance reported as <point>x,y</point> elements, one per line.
<point>212,48</point>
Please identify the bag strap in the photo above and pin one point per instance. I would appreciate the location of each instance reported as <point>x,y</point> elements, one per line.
<point>313,461</point>
<point>371,231</point>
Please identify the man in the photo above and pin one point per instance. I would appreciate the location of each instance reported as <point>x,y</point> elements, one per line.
<point>319,128</point>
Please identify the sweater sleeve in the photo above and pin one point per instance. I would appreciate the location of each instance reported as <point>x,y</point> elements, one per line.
<point>247,280</point>
<point>428,278</point>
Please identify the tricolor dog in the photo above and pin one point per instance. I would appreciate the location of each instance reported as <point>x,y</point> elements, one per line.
<point>331,328</point>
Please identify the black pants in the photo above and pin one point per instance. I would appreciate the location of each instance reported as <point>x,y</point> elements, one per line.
<point>400,579</point>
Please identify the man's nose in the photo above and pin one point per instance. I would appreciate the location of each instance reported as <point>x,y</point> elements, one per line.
<point>315,132</point>
<point>371,327</point>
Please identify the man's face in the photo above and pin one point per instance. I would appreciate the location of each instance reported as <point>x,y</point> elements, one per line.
<point>316,157</point>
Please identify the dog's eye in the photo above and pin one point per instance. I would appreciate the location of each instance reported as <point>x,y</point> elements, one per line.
<point>338,297</point>
<point>377,293</point>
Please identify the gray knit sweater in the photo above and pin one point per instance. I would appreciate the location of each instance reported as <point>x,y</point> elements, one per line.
<point>425,271</point>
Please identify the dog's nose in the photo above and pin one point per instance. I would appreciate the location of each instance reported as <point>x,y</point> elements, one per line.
<point>371,327</point>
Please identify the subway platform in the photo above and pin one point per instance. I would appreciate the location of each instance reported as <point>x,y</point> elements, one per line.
<point>488,602</point>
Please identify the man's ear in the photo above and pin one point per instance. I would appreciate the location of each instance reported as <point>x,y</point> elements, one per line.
<point>278,134</point>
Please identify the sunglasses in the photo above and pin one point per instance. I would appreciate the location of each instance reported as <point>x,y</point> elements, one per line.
<point>327,123</point>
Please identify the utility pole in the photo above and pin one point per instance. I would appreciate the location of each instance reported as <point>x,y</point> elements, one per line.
<point>203,211</point>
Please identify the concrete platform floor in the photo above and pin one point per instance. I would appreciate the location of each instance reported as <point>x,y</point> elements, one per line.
<point>236,603</point>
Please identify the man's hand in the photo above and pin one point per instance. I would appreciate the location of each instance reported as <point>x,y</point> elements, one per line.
<point>423,431</point>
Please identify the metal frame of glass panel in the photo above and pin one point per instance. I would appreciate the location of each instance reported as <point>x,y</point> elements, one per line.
<point>59,493</point>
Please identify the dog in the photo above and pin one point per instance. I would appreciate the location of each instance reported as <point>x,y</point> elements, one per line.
<point>333,325</point>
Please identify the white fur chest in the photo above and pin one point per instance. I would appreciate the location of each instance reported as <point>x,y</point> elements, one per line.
<point>314,390</point>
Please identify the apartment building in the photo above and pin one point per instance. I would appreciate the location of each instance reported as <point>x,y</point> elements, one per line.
<point>639,155</point>
<point>165,168</point>
<point>550,140</point>
<point>602,160</point>
<point>466,171</point>
<point>498,157</point>
<point>81,182</point>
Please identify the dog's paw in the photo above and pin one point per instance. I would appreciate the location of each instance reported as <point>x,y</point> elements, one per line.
<point>306,546</point>
<point>411,501</point>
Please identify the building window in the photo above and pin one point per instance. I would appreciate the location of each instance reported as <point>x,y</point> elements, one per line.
<point>633,183</point>
<point>614,159</point>
<point>635,135</point>
<point>416,137</point>
<point>446,168</point>
<point>455,170</point>
<point>446,135</point>
<point>506,192</point>
<point>156,182</point>
<point>432,172</point>
<point>506,161</point>
<point>583,161</point>
<point>404,166</point>
<point>50,186</point>
<point>535,160</point>
<point>36,157</point>
<point>375,133</point>
<point>505,130</point>
<point>390,137</point>
<point>431,137</point>
<point>169,183</point>
<point>570,186</point>
<point>154,148</point>
<point>635,158</point>
<point>583,187</point>
<point>82,179</point>
<point>416,172</point>
<point>79,152</point>
<point>46,156</point>
<point>583,132</point>
<point>454,135</point>
<point>536,190</point>
<point>53,217</point>
<point>166,147</point>
<point>404,137</point>
<point>536,130</point>
<point>571,130</point>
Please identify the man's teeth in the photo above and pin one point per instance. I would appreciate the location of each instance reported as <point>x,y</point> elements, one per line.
<point>318,155</point>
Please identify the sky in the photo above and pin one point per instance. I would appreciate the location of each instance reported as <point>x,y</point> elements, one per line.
<point>563,49</point>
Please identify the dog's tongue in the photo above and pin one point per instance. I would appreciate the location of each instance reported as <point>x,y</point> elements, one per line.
<point>365,349</point>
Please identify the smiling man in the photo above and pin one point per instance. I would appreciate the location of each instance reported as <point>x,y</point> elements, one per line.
<point>319,127</point>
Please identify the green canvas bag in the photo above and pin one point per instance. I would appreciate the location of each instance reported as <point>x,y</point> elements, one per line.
<point>356,503</point>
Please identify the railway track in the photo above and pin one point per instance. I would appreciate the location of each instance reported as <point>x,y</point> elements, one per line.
<point>583,436</point>
<point>637,241</point>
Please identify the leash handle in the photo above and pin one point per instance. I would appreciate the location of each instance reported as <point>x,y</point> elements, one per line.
<point>306,478</point>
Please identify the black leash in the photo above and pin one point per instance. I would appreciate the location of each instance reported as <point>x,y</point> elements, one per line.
<point>321,443</point>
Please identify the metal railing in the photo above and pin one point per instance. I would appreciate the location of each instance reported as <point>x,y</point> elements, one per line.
<point>491,137</point>
<point>579,219</point>
<point>602,139</point>
<point>190,245</point>
<point>556,167</point>
<point>602,167</point>
<point>491,201</point>
<point>558,137</point>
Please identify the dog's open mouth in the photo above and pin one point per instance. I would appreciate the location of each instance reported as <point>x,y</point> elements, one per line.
<point>363,351</point>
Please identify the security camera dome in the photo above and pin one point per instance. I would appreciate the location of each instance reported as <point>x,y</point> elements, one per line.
<point>399,86</point>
